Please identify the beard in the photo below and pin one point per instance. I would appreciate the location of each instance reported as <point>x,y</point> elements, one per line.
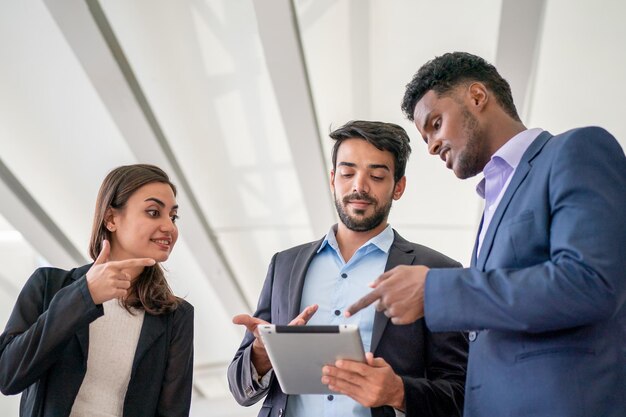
<point>474,156</point>
<point>358,223</point>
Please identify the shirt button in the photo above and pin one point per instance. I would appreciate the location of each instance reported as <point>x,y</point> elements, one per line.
<point>337,312</point>
<point>330,398</point>
<point>344,275</point>
<point>472,336</point>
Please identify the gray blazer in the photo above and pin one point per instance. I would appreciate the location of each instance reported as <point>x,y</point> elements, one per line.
<point>411,350</point>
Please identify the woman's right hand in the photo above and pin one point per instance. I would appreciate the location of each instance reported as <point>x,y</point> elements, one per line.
<point>107,280</point>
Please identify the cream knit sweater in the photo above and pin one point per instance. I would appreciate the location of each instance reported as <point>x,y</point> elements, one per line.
<point>112,344</point>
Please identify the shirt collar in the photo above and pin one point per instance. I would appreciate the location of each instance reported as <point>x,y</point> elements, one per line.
<point>513,150</point>
<point>510,154</point>
<point>382,241</point>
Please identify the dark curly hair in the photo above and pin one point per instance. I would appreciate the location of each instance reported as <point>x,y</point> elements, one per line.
<point>384,136</point>
<point>450,70</point>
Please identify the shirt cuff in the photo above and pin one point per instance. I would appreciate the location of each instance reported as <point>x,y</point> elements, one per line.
<point>263,382</point>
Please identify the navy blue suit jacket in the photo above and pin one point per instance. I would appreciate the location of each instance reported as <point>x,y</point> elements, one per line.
<point>546,296</point>
<point>431,365</point>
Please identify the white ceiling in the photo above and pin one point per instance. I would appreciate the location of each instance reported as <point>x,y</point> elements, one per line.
<point>235,98</point>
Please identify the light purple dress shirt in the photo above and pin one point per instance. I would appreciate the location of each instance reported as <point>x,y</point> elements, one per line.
<point>498,173</point>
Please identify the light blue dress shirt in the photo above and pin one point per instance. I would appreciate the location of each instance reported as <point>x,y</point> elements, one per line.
<point>334,285</point>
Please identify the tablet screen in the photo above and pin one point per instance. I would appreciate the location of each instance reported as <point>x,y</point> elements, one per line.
<point>298,353</point>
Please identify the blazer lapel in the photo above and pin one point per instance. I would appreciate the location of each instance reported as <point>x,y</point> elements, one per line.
<point>298,273</point>
<point>83,333</point>
<point>152,329</point>
<point>83,339</point>
<point>400,253</point>
<point>518,177</point>
<point>475,250</point>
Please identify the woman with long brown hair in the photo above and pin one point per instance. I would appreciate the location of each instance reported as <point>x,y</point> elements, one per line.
<point>109,338</point>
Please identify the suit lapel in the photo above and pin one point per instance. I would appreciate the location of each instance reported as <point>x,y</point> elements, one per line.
<point>152,329</point>
<point>400,253</point>
<point>83,339</point>
<point>83,333</point>
<point>475,250</point>
<point>298,273</point>
<point>518,177</point>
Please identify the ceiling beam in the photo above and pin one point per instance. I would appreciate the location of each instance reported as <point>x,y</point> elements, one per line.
<point>361,57</point>
<point>521,24</point>
<point>8,287</point>
<point>284,57</point>
<point>25,214</point>
<point>91,37</point>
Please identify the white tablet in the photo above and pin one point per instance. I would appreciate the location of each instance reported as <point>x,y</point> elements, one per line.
<point>298,353</point>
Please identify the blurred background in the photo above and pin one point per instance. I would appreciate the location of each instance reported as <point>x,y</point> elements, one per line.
<point>235,99</point>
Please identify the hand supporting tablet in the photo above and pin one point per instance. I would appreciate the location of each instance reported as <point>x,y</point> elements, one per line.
<point>298,354</point>
<point>372,384</point>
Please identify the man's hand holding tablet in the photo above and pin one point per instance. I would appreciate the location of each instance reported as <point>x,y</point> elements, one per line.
<point>260,359</point>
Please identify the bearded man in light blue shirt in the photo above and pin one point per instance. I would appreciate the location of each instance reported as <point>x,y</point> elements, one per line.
<point>409,369</point>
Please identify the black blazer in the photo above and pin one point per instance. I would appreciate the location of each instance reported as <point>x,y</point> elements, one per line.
<point>431,365</point>
<point>43,350</point>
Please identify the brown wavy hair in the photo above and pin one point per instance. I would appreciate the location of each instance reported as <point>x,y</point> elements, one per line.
<point>150,290</point>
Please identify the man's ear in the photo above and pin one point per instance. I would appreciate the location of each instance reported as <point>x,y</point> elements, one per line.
<point>332,180</point>
<point>399,188</point>
<point>478,95</point>
<point>109,219</point>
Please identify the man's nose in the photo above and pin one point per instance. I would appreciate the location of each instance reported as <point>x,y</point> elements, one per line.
<point>360,184</point>
<point>434,146</point>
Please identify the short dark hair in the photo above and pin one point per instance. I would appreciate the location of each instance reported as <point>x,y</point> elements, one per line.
<point>384,136</point>
<point>450,70</point>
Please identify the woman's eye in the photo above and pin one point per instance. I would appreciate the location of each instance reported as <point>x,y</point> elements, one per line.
<point>152,213</point>
<point>174,218</point>
<point>437,124</point>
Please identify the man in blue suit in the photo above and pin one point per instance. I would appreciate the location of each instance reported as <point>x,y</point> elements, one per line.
<point>545,295</point>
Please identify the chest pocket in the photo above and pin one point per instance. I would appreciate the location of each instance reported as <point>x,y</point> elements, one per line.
<point>529,240</point>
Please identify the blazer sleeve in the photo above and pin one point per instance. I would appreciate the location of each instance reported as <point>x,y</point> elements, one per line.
<point>175,396</point>
<point>580,280</point>
<point>441,392</point>
<point>33,338</point>
<point>244,387</point>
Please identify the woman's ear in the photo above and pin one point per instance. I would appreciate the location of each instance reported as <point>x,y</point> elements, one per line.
<point>109,220</point>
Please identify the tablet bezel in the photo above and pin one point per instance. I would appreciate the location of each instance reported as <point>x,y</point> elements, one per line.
<point>298,353</point>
